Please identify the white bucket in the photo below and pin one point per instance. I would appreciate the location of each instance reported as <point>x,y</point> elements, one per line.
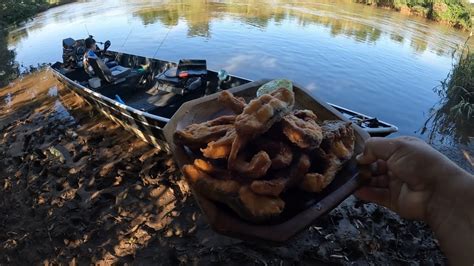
<point>94,83</point>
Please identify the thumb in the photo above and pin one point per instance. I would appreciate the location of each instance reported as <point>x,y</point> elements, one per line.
<point>377,148</point>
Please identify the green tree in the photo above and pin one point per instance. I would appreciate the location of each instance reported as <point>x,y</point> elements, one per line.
<point>14,11</point>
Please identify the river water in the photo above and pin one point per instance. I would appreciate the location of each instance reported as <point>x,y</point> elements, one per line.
<point>371,60</point>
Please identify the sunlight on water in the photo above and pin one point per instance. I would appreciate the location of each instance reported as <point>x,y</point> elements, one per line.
<point>53,91</point>
<point>8,100</point>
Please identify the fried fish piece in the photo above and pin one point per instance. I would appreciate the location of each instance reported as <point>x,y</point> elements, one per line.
<point>258,117</point>
<point>285,179</point>
<point>237,143</point>
<point>237,104</point>
<point>337,147</point>
<point>261,113</point>
<point>206,185</point>
<point>241,199</point>
<point>272,187</point>
<point>338,139</point>
<point>198,135</point>
<point>280,152</point>
<point>305,114</point>
<point>212,169</point>
<point>302,130</point>
<point>221,148</point>
<point>298,170</point>
<point>316,182</point>
<point>256,168</point>
<point>256,207</point>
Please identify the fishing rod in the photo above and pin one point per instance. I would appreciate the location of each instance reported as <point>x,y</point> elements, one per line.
<point>162,41</point>
<point>126,39</point>
<point>87,30</point>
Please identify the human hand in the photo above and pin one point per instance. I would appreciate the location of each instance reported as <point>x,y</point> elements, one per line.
<point>411,178</point>
<point>404,175</point>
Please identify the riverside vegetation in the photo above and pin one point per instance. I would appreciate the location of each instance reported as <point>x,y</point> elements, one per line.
<point>457,13</point>
<point>454,115</point>
<point>13,12</point>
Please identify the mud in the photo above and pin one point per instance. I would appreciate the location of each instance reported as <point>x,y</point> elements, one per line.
<point>76,188</point>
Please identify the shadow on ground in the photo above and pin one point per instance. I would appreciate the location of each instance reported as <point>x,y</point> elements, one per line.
<point>75,187</point>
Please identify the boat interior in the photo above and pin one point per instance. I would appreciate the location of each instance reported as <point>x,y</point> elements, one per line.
<point>150,85</point>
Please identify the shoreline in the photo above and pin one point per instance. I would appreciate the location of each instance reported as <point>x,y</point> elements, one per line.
<point>461,18</point>
<point>29,11</point>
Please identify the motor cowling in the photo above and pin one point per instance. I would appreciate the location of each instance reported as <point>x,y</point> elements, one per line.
<point>73,52</point>
<point>68,43</point>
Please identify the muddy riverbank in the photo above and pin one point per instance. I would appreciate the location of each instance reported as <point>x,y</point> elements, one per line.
<point>75,187</point>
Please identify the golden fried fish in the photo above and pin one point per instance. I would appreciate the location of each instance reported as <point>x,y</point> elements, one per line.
<point>236,104</point>
<point>302,130</point>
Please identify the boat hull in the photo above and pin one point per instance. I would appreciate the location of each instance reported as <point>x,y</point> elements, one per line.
<point>144,125</point>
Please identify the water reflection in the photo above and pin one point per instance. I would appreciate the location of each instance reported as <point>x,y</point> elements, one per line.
<point>199,14</point>
<point>53,91</point>
<point>8,100</point>
<point>8,67</point>
<point>61,113</point>
<point>356,22</point>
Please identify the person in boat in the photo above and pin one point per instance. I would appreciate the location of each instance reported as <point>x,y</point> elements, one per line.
<point>413,179</point>
<point>93,52</point>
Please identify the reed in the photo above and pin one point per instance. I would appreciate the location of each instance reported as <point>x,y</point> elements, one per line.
<point>454,115</point>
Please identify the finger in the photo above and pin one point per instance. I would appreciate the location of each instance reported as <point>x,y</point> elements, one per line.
<point>381,181</point>
<point>374,169</point>
<point>366,171</point>
<point>381,168</point>
<point>377,148</point>
<point>379,196</point>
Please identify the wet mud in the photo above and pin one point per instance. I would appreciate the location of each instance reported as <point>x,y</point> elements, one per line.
<point>77,188</point>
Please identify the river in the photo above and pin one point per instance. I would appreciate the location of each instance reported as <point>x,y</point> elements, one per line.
<point>371,60</point>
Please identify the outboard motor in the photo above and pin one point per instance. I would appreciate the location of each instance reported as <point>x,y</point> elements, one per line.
<point>73,52</point>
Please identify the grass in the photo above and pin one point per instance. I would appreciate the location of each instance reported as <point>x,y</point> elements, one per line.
<point>457,13</point>
<point>455,114</point>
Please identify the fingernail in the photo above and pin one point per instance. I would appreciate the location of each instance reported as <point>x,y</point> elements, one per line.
<point>359,157</point>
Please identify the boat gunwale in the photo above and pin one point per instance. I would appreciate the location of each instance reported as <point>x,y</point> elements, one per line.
<point>390,128</point>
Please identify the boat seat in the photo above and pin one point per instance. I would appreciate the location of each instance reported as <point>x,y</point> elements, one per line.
<point>163,99</point>
<point>120,71</point>
<point>114,74</point>
<point>145,102</point>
